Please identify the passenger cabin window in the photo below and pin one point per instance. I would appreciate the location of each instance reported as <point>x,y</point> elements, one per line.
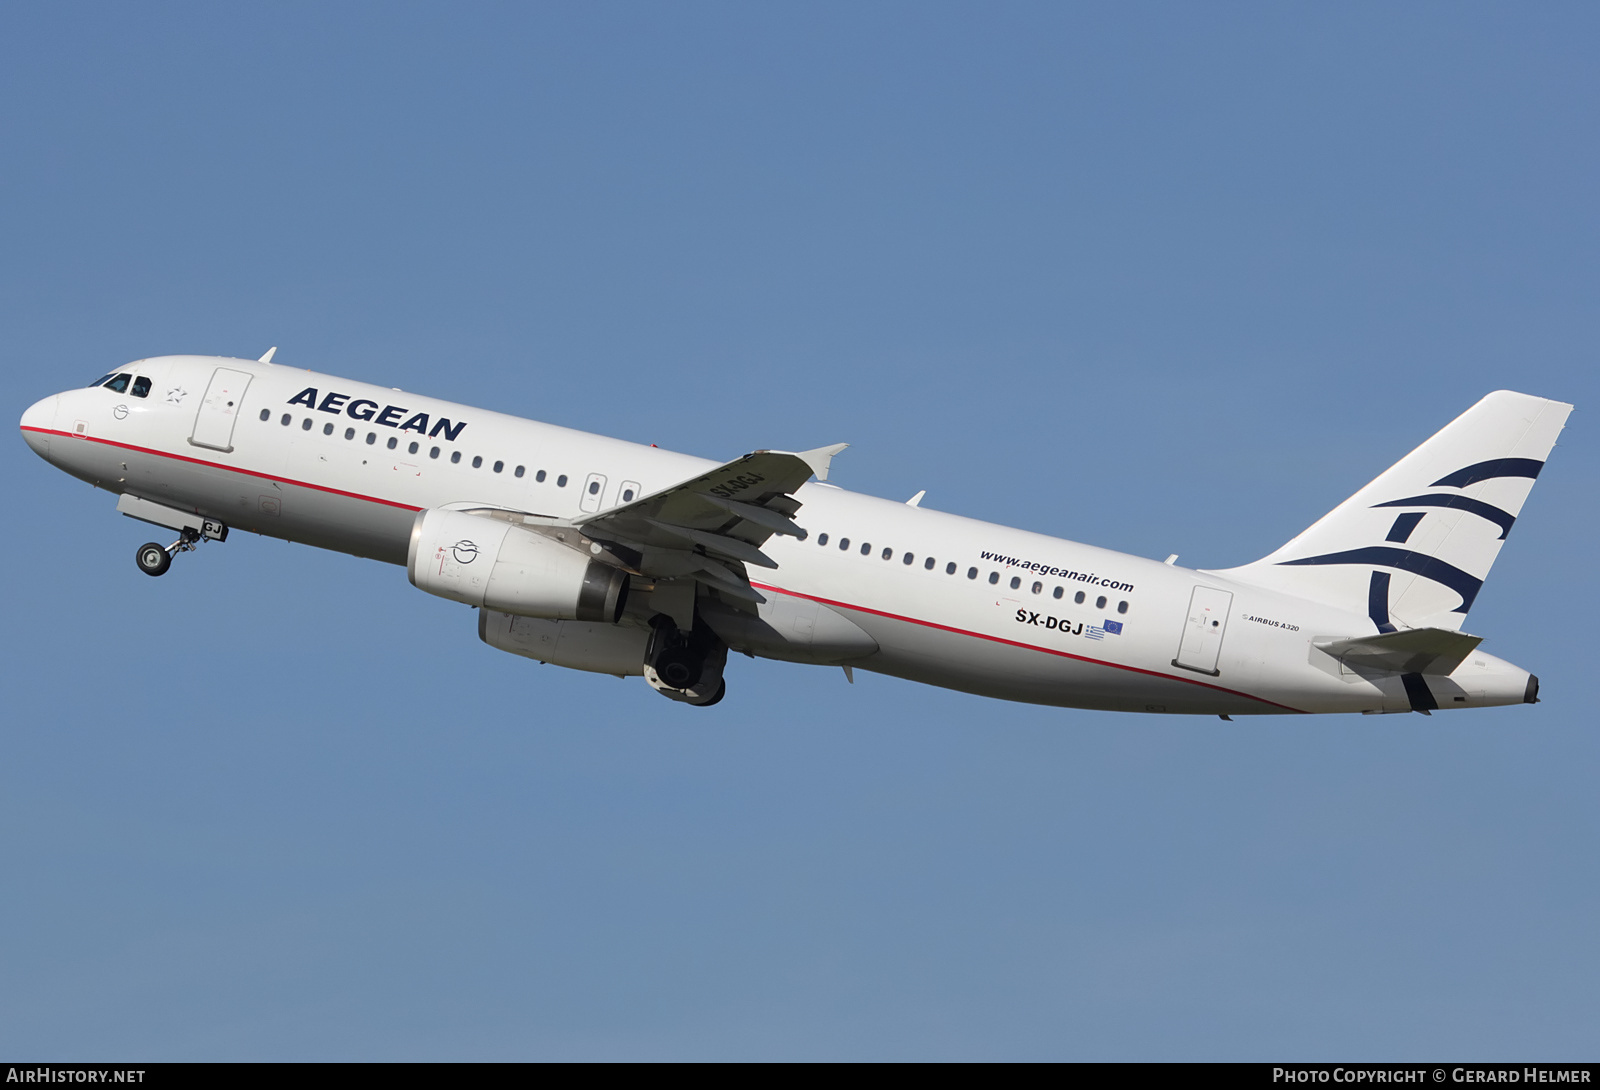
<point>594,487</point>
<point>561,481</point>
<point>327,429</point>
<point>866,548</point>
<point>393,442</point>
<point>120,383</point>
<point>1016,581</point>
<point>929,563</point>
<point>1100,602</point>
<point>539,476</point>
<point>498,466</point>
<point>627,497</point>
<point>349,433</point>
<point>141,387</point>
<point>822,539</point>
<point>888,554</point>
<point>455,457</point>
<point>972,573</point>
<point>1038,587</point>
<point>1122,607</point>
<point>844,544</point>
<point>372,437</point>
<point>266,414</point>
<point>305,425</point>
<point>994,577</point>
<point>950,568</point>
<point>477,461</point>
<point>1058,592</point>
<point>1078,597</point>
<point>433,452</point>
<point>519,471</point>
<point>908,559</point>
<point>413,448</point>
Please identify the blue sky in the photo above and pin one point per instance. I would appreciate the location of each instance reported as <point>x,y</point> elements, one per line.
<point>1159,277</point>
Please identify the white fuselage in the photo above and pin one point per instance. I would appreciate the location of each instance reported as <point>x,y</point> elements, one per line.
<point>1022,616</point>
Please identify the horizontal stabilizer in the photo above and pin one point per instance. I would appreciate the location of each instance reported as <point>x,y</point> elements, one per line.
<point>1435,651</point>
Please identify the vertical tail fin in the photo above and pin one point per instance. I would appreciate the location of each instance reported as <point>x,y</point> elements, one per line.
<point>1412,549</point>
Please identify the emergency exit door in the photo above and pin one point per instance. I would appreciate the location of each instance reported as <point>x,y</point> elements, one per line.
<point>1203,631</point>
<point>219,409</point>
<point>594,492</point>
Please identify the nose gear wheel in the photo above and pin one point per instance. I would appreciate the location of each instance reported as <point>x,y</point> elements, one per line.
<point>154,558</point>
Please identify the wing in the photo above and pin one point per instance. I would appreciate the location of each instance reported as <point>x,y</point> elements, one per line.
<point>709,527</point>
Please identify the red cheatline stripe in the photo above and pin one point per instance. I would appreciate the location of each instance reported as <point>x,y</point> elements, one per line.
<point>230,469</point>
<point>759,586</point>
<point>1024,646</point>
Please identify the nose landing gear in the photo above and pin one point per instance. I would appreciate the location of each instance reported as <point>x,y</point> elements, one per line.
<point>154,558</point>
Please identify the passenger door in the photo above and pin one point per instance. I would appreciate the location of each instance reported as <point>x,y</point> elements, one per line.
<point>1203,630</point>
<point>219,410</point>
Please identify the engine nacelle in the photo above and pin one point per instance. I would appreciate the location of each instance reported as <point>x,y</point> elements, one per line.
<point>493,564</point>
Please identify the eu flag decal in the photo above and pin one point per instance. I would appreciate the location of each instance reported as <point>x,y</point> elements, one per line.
<point>1114,627</point>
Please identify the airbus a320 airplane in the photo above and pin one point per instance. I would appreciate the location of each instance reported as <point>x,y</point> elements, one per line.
<point>623,559</point>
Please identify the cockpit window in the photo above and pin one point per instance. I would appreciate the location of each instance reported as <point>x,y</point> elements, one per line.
<point>101,380</point>
<point>141,387</point>
<point>120,383</point>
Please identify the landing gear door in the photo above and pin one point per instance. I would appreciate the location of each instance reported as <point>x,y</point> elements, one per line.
<point>219,409</point>
<point>1203,630</point>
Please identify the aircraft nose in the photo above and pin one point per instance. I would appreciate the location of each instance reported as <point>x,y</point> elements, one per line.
<point>38,422</point>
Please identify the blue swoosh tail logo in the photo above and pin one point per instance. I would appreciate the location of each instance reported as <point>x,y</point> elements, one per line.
<point>1494,467</point>
<point>1386,556</point>
<point>1499,517</point>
